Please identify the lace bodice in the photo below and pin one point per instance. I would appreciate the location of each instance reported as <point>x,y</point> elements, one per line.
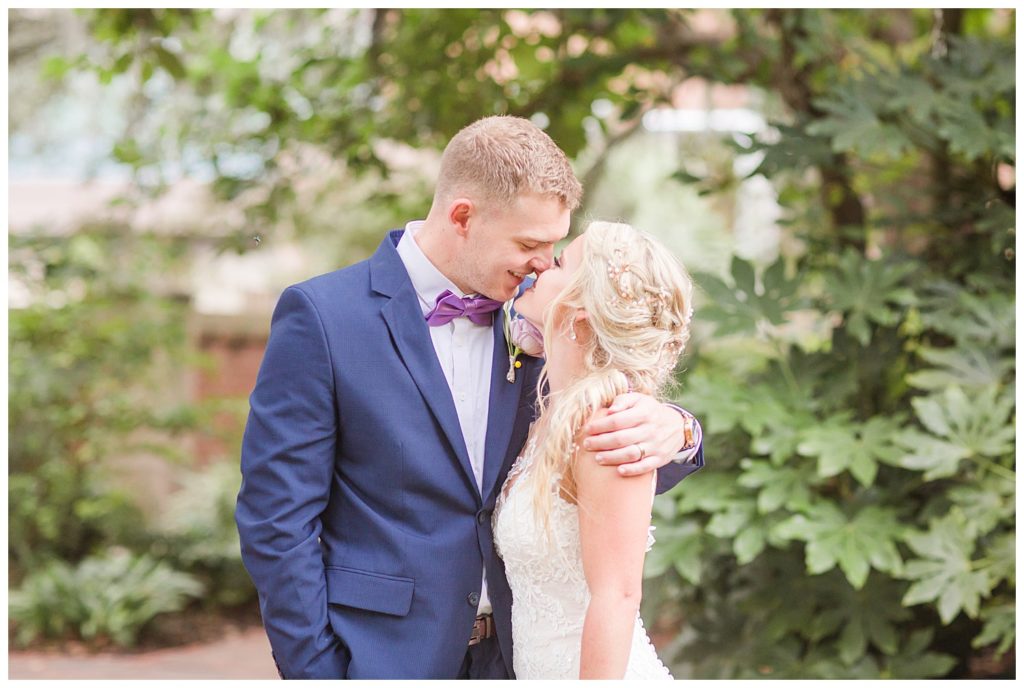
<point>549,590</point>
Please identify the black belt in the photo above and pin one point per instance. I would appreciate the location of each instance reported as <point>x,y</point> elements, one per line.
<point>483,628</point>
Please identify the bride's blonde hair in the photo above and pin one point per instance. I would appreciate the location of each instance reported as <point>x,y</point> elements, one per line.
<point>637,298</point>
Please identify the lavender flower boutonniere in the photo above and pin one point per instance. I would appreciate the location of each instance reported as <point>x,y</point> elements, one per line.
<point>522,338</point>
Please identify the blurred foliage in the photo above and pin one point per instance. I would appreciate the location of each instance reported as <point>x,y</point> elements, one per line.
<point>99,328</point>
<point>81,367</point>
<point>857,516</point>
<point>198,534</point>
<point>105,597</point>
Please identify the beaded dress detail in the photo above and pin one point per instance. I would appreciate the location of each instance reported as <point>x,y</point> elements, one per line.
<point>549,590</point>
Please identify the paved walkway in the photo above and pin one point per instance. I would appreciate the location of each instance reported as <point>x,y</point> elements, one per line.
<point>239,655</point>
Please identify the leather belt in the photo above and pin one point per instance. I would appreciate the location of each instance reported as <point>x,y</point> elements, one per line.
<point>483,628</point>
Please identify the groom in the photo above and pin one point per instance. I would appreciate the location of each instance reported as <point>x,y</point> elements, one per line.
<point>382,427</point>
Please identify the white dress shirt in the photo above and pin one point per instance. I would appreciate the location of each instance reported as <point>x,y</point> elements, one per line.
<point>465,352</point>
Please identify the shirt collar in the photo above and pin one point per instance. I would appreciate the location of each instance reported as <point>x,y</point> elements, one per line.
<point>426,279</point>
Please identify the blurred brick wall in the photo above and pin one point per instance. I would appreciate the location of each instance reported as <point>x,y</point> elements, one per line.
<point>231,348</point>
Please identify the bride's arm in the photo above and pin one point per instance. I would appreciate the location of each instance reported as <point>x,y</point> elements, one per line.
<point>614,514</point>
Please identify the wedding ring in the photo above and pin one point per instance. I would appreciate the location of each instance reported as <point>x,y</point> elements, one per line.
<point>642,452</point>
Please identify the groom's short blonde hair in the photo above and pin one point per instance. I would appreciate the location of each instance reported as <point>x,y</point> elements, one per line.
<point>499,158</point>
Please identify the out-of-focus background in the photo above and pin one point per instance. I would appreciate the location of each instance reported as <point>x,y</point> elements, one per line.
<point>841,184</point>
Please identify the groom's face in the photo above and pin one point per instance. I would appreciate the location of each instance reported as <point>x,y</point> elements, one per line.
<point>507,243</point>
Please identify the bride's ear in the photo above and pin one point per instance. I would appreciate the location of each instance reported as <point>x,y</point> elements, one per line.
<point>580,323</point>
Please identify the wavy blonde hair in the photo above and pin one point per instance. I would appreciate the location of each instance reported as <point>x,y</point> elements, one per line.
<point>637,297</point>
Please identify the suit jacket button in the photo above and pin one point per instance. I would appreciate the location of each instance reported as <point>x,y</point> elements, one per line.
<point>473,598</point>
<point>481,516</point>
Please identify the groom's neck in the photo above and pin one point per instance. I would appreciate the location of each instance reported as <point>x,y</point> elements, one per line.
<point>435,240</point>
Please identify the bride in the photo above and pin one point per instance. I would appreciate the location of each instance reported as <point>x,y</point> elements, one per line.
<point>614,312</point>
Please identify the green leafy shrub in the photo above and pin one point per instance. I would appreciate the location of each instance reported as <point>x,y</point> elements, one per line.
<point>857,517</point>
<point>112,596</point>
<point>83,347</point>
<point>198,533</point>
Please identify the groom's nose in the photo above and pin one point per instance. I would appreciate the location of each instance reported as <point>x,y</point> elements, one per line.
<point>542,262</point>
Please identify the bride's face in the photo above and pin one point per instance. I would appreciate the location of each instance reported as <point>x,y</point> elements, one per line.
<point>550,283</point>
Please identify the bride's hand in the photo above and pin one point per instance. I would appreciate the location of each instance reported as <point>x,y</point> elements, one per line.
<point>639,434</point>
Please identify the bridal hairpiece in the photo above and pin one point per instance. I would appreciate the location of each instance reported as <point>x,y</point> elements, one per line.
<point>655,298</point>
<point>617,269</point>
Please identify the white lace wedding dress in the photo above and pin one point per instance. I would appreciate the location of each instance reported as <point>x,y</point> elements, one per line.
<point>549,591</point>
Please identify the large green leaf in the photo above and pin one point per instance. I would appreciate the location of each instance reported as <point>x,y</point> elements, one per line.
<point>869,291</point>
<point>858,544</point>
<point>729,522</point>
<point>961,426</point>
<point>984,316</point>
<point>1001,558</point>
<point>945,573</point>
<point>678,546</point>
<point>723,403</point>
<point>750,542</point>
<point>746,305</point>
<point>779,608</point>
<point>855,127</point>
<point>843,445</point>
<point>1000,626</point>
<point>794,149</point>
<point>777,419</point>
<point>913,94</point>
<point>915,660</point>
<point>870,615</point>
<point>985,503</point>
<point>778,486</point>
<point>964,366</point>
<point>974,82</point>
<point>718,491</point>
<point>938,458</point>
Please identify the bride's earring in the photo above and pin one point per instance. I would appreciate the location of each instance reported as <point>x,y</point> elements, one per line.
<point>572,330</point>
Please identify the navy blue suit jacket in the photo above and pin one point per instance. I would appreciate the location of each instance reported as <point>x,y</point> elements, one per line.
<point>361,524</point>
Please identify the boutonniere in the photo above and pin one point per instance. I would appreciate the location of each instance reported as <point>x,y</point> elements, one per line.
<point>521,337</point>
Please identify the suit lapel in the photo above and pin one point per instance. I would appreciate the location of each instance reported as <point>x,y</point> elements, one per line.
<point>411,336</point>
<point>503,404</point>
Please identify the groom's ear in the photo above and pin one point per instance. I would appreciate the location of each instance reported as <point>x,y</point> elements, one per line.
<point>459,212</point>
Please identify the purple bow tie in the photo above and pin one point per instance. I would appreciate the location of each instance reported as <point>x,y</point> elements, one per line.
<point>449,306</point>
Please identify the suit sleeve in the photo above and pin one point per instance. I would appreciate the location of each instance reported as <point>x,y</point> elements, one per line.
<point>673,472</point>
<point>288,453</point>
